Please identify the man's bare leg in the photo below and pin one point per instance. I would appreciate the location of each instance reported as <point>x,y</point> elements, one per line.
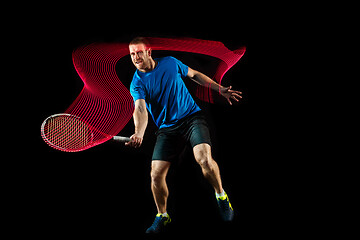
<point>209,167</point>
<point>159,170</point>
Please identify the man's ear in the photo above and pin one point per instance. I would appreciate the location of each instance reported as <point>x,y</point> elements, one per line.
<point>149,50</point>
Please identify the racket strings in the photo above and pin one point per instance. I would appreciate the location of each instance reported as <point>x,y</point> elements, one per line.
<point>67,133</point>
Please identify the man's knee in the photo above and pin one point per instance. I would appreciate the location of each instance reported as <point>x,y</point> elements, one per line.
<point>205,162</point>
<point>203,156</point>
<point>156,176</point>
<point>159,171</point>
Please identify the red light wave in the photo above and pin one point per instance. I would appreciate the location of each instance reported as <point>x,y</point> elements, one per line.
<point>106,104</point>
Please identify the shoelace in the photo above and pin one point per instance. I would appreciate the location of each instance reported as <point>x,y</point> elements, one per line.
<point>224,204</point>
<point>156,222</point>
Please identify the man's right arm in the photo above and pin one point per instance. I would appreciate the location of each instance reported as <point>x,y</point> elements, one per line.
<point>140,117</point>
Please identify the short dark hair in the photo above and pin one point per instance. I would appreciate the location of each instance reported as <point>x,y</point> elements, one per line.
<point>142,40</point>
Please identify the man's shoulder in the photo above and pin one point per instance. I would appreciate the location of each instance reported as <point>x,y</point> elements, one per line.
<point>136,78</point>
<point>166,59</point>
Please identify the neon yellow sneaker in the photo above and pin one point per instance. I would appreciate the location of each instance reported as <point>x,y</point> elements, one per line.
<point>159,223</point>
<point>225,208</point>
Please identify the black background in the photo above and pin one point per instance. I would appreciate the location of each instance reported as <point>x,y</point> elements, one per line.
<point>105,191</point>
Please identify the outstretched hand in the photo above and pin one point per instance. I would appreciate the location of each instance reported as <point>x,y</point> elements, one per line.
<point>229,94</point>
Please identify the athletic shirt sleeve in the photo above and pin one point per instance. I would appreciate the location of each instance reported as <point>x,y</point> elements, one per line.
<point>182,68</point>
<point>137,90</point>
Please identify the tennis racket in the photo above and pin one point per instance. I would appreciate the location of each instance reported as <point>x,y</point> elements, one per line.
<point>69,133</point>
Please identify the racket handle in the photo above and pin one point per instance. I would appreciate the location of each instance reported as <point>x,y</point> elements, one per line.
<point>121,139</point>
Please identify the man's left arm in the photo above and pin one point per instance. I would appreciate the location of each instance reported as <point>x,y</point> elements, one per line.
<point>205,81</point>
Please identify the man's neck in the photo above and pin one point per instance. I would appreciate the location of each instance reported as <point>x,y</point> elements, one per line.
<point>151,67</point>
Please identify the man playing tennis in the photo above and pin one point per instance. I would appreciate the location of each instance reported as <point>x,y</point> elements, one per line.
<point>158,86</point>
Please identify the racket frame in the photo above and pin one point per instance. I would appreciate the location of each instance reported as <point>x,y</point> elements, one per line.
<point>43,135</point>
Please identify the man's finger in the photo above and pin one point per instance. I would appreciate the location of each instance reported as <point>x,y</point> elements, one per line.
<point>229,101</point>
<point>131,144</point>
<point>237,92</point>
<point>237,95</point>
<point>233,97</point>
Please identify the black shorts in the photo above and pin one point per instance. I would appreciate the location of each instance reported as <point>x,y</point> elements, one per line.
<point>193,129</point>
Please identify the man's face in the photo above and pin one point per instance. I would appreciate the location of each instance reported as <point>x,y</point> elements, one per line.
<point>140,56</point>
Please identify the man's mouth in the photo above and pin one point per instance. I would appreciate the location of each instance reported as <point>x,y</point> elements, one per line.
<point>138,62</point>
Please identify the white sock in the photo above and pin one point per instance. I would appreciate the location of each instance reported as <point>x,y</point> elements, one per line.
<point>222,194</point>
<point>165,214</point>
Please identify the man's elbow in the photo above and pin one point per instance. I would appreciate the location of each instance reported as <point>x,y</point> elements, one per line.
<point>192,73</point>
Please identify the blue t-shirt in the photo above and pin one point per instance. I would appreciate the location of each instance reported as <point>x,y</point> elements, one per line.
<point>166,96</point>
